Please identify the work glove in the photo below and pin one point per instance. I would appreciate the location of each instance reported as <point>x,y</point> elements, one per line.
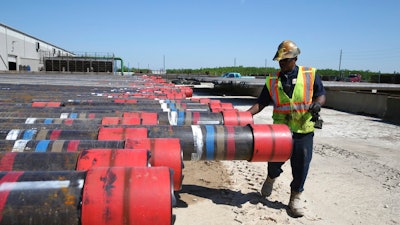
<point>314,109</point>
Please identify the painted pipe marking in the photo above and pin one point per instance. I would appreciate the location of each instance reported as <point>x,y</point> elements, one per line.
<point>30,120</point>
<point>181,118</point>
<point>172,118</point>
<point>13,134</point>
<point>64,115</point>
<point>19,145</point>
<point>210,135</point>
<point>29,134</point>
<point>198,142</point>
<point>42,146</point>
<point>48,121</point>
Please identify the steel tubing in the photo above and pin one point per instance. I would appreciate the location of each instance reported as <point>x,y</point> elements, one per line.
<point>38,161</point>
<point>33,120</point>
<point>110,109</point>
<point>133,118</point>
<point>99,196</point>
<point>69,155</point>
<point>198,142</point>
<point>119,100</point>
<point>87,159</point>
<point>53,126</point>
<point>172,104</point>
<point>40,197</point>
<point>137,195</point>
<point>90,114</point>
<point>21,145</point>
<point>45,134</point>
<point>217,142</point>
<point>182,118</point>
<point>164,152</point>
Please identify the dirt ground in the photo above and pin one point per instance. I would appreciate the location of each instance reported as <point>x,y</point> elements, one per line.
<point>354,179</point>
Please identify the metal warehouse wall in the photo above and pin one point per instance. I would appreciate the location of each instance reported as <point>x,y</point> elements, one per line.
<point>22,52</point>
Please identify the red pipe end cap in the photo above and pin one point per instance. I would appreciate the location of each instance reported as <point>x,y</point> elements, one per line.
<point>272,143</point>
<point>127,195</point>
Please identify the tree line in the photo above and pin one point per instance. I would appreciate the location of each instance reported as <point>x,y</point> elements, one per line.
<point>326,74</point>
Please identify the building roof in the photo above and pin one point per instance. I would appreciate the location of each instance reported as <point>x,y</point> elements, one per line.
<point>25,34</point>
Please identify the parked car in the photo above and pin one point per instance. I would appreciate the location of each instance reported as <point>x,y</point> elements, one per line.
<point>232,75</point>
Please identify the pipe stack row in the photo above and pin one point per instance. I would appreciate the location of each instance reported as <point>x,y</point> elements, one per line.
<point>100,155</point>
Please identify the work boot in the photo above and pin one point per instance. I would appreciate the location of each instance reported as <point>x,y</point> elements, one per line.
<point>295,204</point>
<point>266,189</point>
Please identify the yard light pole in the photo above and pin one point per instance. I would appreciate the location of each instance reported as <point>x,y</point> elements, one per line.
<point>340,64</point>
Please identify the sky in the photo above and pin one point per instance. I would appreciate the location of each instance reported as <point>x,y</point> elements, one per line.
<point>193,34</point>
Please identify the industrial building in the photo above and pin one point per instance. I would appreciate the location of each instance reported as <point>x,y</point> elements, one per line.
<point>22,52</point>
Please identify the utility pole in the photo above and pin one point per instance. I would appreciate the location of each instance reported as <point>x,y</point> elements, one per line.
<point>164,72</point>
<point>340,64</point>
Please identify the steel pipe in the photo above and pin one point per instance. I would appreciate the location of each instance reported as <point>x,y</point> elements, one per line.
<point>103,195</point>
<point>164,152</point>
<point>87,159</point>
<point>115,108</point>
<point>38,197</point>
<point>137,195</point>
<point>35,120</point>
<point>90,114</point>
<point>133,118</point>
<point>118,100</point>
<point>24,145</point>
<point>44,134</point>
<point>69,155</point>
<point>198,142</point>
<point>216,142</point>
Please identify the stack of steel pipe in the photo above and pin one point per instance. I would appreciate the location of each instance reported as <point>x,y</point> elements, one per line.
<point>115,156</point>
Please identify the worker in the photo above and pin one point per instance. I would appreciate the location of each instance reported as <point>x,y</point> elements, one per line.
<point>297,95</point>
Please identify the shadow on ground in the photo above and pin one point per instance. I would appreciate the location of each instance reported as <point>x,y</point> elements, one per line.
<point>224,196</point>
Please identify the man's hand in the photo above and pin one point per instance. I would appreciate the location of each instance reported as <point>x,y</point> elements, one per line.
<point>315,108</point>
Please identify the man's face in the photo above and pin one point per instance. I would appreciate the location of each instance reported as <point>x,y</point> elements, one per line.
<point>287,65</point>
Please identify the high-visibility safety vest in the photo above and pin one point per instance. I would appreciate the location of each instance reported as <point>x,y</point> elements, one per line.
<point>293,111</point>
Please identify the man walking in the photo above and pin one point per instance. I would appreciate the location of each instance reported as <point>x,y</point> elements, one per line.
<point>297,94</point>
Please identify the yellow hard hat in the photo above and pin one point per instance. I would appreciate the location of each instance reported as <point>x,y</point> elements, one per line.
<point>286,50</point>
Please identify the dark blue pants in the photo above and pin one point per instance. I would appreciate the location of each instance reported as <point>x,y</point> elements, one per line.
<point>299,161</point>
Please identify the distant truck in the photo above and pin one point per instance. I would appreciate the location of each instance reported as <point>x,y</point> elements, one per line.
<point>235,75</point>
<point>354,78</point>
